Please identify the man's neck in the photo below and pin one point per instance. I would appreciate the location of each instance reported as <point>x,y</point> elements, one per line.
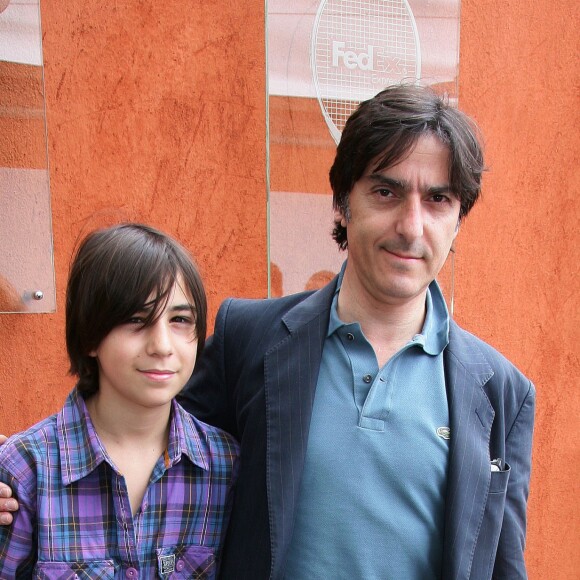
<point>387,325</point>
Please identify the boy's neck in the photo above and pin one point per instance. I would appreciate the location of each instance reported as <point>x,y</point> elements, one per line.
<point>134,440</point>
<point>128,425</point>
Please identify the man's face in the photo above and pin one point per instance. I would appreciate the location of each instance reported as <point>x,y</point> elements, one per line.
<point>401,223</point>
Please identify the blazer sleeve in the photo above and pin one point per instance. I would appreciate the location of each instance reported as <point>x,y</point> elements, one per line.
<point>509,561</point>
<point>206,393</point>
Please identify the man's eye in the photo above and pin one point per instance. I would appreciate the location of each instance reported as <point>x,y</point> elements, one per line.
<point>136,320</point>
<point>439,198</point>
<point>384,192</point>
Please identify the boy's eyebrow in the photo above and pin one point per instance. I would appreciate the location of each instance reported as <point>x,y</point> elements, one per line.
<point>181,307</point>
<point>147,308</point>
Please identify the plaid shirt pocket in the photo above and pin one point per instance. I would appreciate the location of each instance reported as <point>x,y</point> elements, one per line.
<point>194,562</point>
<point>89,570</point>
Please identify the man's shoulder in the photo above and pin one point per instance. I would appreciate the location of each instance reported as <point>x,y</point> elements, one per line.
<point>468,348</point>
<point>301,307</point>
<point>249,307</point>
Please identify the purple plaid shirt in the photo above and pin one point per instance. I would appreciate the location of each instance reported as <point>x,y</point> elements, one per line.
<point>75,520</point>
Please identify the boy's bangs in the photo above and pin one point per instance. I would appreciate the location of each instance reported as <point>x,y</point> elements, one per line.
<point>146,288</point>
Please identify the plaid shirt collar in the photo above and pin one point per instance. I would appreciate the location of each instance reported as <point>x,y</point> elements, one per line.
<point>81,450</point>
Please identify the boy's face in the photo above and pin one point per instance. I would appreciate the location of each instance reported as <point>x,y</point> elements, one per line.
<point>146,366</point>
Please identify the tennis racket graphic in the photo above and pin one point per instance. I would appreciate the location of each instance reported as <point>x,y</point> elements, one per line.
<point>359,47</point>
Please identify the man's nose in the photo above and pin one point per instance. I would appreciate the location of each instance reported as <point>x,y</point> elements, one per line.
<point>410,220</point>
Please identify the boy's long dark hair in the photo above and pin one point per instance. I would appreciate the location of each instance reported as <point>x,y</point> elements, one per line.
<point>114,274</point>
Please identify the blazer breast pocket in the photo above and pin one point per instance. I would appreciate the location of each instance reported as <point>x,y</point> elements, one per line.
<point>488,539</point>
<point>499,480</point>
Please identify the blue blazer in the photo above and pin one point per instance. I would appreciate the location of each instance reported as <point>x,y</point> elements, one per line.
<point>256,379</point>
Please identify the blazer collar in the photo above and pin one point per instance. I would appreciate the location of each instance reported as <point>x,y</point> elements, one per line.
<point>317,304</point>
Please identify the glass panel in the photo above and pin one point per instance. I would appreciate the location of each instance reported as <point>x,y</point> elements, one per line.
<point>324,57</point>
<point>26,264</point>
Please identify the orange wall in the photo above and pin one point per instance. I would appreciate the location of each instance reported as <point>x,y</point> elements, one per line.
<point>518,254</point>
<point>156,112</point>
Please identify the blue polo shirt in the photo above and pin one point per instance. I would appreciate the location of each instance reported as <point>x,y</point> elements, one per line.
<point>372,496</point>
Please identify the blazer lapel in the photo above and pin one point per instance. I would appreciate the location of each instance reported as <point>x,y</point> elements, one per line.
<point>471,417</point>
<point>290,375</point>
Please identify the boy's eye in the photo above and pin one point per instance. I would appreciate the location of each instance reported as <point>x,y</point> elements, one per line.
<point>136,320</point>
<point>181,319</point>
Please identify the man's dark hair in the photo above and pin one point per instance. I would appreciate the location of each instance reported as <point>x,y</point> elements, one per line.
<point>384,130</point>
<point>116,273</point>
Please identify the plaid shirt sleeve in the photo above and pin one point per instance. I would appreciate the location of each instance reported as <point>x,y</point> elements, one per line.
<point>17,541</point>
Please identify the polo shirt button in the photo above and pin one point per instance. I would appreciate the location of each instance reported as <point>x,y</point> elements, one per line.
<point>350,336</point>
<point>131,573</point>
<point>180,565</point>
<point>367,379</point>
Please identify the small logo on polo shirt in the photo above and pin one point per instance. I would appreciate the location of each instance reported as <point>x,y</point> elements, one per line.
<point>166,564</point>
<point>444,432</point>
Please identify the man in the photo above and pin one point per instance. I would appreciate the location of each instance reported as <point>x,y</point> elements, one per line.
<point>378,439</point>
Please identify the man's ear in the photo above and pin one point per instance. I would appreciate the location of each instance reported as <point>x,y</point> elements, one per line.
<point>339,217</point>
<point>452,249</point>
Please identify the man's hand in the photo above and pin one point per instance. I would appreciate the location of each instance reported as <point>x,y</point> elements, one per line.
<point>7,504</point>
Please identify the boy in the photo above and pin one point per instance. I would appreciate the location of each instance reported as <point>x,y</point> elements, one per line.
<point>122,482</point>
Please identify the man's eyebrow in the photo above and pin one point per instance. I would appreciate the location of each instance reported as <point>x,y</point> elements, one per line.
<point>404,185</point>
<point>386,180</point>
<point>437,189</point>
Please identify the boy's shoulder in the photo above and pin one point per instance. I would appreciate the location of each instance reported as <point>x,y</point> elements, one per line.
<point>38,448</point>
<point>214,443</point>
<point>23,452</point>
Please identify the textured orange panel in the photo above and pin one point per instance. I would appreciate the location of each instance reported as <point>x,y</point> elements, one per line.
<point>22,126</point>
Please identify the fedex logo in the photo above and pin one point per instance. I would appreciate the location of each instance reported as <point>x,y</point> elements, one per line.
<point>350,59</point>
